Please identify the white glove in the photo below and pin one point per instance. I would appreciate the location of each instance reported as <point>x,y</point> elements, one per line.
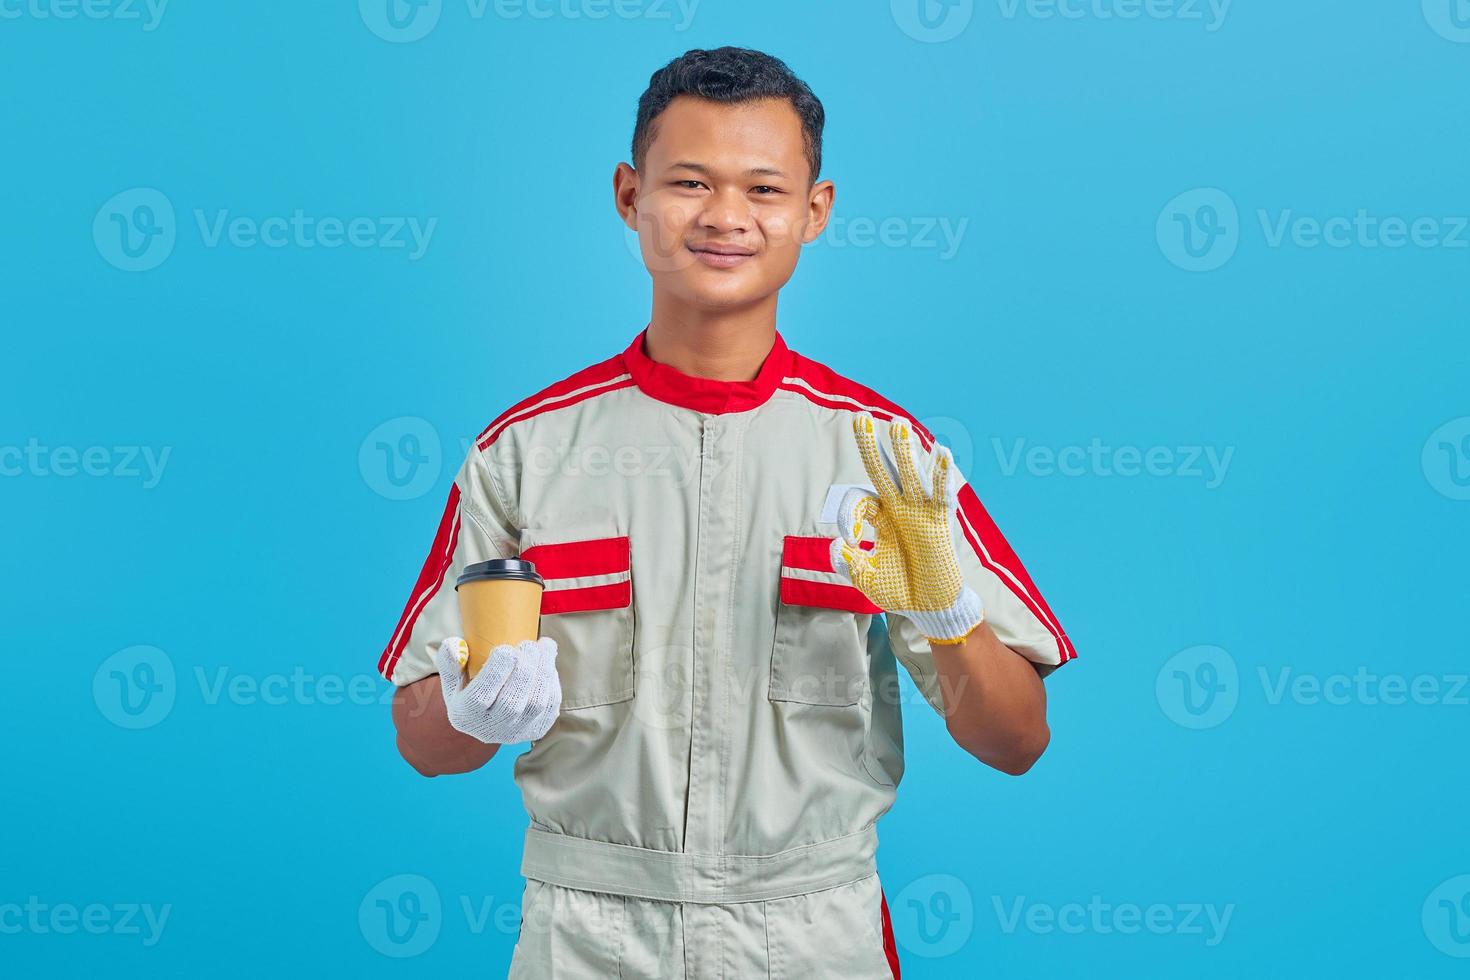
<point>515,697</point>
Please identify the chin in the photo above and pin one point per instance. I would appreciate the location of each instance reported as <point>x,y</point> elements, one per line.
<point>721,295</point>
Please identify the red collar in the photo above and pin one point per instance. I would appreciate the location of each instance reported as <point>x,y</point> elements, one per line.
<point>670,385</point>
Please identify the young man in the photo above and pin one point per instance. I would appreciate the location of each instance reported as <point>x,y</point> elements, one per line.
<point>720,521</point>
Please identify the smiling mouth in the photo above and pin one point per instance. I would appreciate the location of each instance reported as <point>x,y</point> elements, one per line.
<point>720,260</point>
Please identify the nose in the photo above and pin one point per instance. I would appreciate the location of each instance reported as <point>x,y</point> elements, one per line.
<point>725,212</point>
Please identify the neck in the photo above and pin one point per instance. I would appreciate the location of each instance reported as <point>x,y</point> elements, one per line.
<point>722,345</point>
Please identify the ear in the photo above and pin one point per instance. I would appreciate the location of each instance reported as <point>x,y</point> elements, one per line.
<point>625,194</point>
<point>819,210</point>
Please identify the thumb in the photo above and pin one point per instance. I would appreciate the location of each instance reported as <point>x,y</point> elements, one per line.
<point>450,658</point>
<point>853,564</point>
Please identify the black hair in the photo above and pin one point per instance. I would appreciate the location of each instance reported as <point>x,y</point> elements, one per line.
<point>729,75</point>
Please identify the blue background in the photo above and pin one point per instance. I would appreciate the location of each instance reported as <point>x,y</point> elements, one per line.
<point>273,544</point>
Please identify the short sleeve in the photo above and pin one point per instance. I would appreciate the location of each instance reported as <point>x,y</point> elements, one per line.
<point>1014,607</point>
<point>475,526</point>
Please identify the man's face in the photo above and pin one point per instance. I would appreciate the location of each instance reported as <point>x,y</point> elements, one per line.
<point>723,202</point>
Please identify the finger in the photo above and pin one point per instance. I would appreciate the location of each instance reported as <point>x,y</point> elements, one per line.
<point>852,563</point>
<point>901,435</point>
<point>853,512</point>
<point>939,475</point>
<point>449,659</point>
<point>542,653</point>
<point>522,683</point>
<point>879,474</point>
<point>491,678</point>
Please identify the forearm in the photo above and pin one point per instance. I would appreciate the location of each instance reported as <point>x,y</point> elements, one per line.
<point>426,740</point>
<point>994,701</point>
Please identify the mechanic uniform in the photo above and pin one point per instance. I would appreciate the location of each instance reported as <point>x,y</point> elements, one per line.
<point>730,731</point>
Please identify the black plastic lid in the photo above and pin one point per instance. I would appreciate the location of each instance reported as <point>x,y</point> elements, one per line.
<point>508,569</point>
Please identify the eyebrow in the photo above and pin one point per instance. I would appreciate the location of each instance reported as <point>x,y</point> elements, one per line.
<point>702,169</point>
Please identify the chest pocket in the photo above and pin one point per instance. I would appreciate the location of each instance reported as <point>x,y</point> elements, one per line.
<point>820,650</point>
<point>587,608</point>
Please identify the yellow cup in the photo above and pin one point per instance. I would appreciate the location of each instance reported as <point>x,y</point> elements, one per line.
<point>499,602</point>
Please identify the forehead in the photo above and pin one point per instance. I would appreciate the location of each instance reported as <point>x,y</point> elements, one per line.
<point>729,136</point>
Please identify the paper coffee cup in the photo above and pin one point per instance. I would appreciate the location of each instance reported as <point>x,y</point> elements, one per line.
<point>499,602</point>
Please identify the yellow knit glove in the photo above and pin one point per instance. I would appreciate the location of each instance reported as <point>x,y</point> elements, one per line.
<point>912,570</point>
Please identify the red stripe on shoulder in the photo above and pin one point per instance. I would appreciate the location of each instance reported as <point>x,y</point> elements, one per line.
<point>597,374</point>
<point>1010,571</point>
<point>841,393</point>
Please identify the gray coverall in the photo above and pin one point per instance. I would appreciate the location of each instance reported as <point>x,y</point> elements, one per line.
<point>730,732</point>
